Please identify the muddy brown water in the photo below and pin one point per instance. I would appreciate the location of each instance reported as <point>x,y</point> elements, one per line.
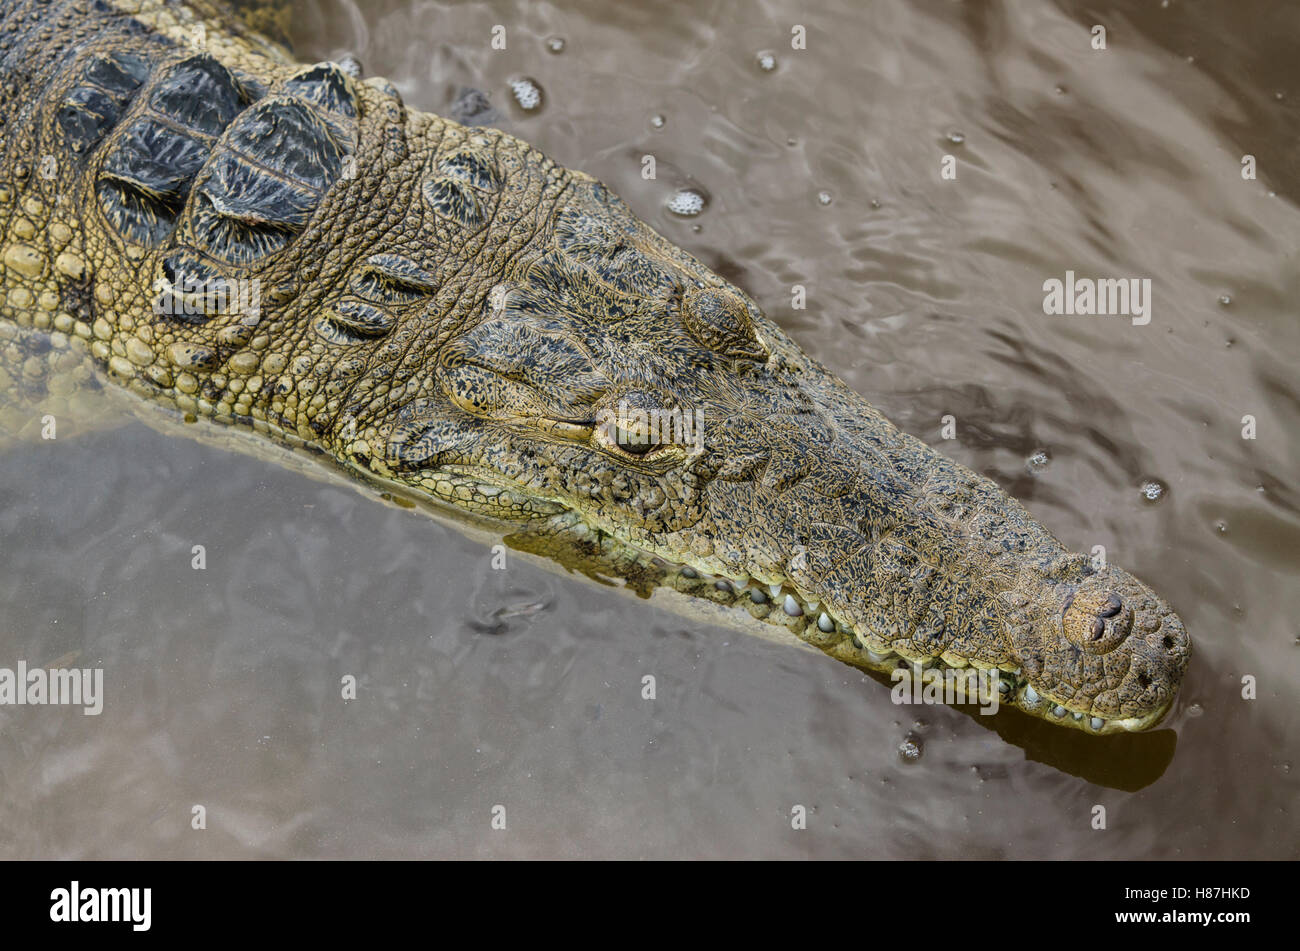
<point>522,688</point>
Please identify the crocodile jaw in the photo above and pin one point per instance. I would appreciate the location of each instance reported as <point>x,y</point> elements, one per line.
<point>780,602</point>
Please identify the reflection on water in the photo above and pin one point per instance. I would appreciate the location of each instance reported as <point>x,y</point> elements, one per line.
<point>818,167</point>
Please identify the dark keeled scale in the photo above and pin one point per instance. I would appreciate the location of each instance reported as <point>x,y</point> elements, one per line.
<point>226,169</point>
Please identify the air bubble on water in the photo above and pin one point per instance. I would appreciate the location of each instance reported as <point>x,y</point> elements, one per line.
<point>1038,460</point>
<point>1153,490</point>
<point>1195,710</point>
<point>686,202</point>
<point>527,94</point>
<point>1221,527</point>
<point>824,198</point>
<point>909,751</point>
<point>791,141</point>
<point>658,121</point>
<point>766,60</point>
<point>875,203</point>
<point>1060,90</point>
<point>956,138</point>
<point>555,44</point>
<point>350,65</point>
<point>1224,300</point>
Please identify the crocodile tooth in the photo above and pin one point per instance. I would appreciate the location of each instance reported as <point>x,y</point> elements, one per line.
<point>774,590</point>
<point>1058,711</point>
<point>825,624</point>
<point>876,658</point>
<point>757,596</point>
<point>1096,723</point>
<point>1031,695</point>
<point>792,606</point>
<point>1078,716</point>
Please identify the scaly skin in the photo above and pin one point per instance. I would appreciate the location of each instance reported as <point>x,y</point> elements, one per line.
<point>449,315</point>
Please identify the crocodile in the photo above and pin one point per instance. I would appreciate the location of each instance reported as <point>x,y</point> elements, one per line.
<point>441,313</point>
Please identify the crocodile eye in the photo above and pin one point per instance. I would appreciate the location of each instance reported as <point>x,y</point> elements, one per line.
<point>632,441</point>
<point>631,426</point>
<point>628,429</point>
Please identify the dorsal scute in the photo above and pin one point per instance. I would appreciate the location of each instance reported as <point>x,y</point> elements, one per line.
<point>327,86</point>
<point>291,138</point>
<point>106,84</point>
<point>266,180</point>
<point>150,165</point>
<point>118,73</point>
<point>204,157</point>
<point>198,93</point>
<point>156,159</point>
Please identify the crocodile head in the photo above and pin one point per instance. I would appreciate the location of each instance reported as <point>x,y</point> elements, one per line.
<point>456,317</point>
<point>613,400</point>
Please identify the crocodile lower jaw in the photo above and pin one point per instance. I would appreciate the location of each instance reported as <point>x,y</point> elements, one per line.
<point>810,621</point>
<point>781,604</point>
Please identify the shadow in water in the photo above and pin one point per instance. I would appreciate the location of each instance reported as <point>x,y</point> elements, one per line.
<point>1125,761</point>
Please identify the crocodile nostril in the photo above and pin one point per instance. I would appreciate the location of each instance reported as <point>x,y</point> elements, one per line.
<point>1113,606</point>
<point>1098,628</point>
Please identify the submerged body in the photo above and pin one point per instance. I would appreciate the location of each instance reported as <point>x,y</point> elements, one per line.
<point>443,312</point>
